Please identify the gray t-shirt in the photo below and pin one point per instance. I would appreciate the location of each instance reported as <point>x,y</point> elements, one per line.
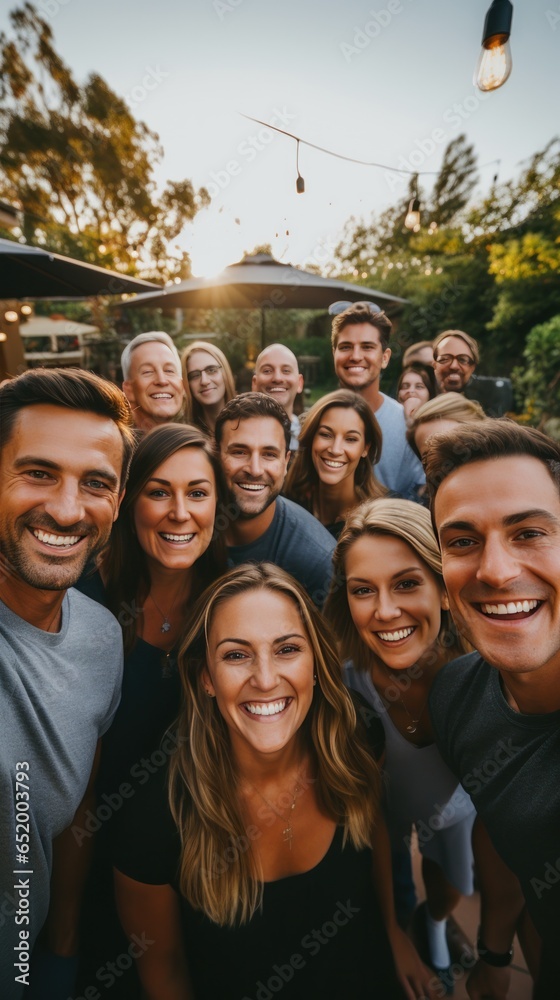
<point>399,469</point>
<point>58,695</point>
<point>297,542</point>
<point>509,763</point>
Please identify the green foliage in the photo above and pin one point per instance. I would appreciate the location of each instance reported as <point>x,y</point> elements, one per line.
<point>492,269</point>
<point>537,383</point>
<point>81,165</point>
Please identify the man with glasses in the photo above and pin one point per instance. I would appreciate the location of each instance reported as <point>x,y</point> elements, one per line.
<point>456,356</point>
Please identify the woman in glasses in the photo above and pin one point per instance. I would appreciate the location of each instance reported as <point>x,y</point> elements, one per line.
<point>209,384</point>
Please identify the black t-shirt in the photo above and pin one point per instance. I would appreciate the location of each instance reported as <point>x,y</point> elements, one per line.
<point>318,935</point>
<point>509,763</point>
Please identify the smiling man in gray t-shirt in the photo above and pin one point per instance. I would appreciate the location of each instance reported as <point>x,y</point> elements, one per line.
<point>66,445</point>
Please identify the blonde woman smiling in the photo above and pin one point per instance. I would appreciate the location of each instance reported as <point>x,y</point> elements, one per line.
<point>270,871</point>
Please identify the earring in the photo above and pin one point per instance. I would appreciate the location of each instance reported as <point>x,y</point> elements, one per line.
<point>314,679</point>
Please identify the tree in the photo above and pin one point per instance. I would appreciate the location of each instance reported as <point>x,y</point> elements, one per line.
<point>537,383</point>
<point>80,164</point>
<point>491,268</point>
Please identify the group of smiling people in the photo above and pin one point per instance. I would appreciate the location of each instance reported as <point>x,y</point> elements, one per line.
<point>270,818</point>
<point>269,848</point>
<point>285,724</point>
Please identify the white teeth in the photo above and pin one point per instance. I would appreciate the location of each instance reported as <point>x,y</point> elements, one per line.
<point>333,465</point>
<point>402,633</point>
<point>511,608</point>
<point>58,540</point>
<point>255,487</point>
<point>177,538</point>
<point>161,395</point>
<point>266,708</point>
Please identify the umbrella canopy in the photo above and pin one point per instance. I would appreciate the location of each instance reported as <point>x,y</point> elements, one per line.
<point>31,273</point>
<point>260,282</point>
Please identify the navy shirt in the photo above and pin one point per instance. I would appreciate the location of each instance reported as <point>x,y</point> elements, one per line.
<point>298,543</point>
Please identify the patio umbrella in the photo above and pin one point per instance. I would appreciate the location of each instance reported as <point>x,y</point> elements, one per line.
<point>32,273</point>
<point>260,282</point>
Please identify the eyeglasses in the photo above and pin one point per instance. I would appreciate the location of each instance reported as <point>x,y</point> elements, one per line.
<point>210,370</point>
<point>462,359</point>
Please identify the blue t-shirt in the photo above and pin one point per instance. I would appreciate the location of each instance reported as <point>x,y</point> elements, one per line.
<point>399,469</point>
<point>298,543</point>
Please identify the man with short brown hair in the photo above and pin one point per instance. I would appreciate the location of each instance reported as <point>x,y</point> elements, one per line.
<point>252,438</point>
<point>495,490</point>
<point>360,342</point>
<point>66,446</point>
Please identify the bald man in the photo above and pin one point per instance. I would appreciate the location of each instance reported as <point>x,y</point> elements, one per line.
<point>277,374</point>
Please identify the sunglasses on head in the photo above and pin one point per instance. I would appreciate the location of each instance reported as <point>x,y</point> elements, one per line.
<point>341,306</point>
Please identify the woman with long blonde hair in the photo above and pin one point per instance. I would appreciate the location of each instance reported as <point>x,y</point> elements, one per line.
<point>389,609</point>
<point>209,384</point>
<point>333,468</point>
<point>272,851</point>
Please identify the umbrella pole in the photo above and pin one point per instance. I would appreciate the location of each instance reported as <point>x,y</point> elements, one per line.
<point>263,329</point>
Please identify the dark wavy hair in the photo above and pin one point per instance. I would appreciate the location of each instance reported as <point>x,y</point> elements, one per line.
<point>125,565</point>
<point>302,481</point>
<point>426,374</point>
<point>253,404</point>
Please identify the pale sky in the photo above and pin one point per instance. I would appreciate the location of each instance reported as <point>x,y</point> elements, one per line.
<point>372,80</point>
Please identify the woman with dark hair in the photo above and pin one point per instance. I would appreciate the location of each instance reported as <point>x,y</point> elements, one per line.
<point>209,384</point>
<point>258,865</point>
<point>416,385</point>
<point>163,552</point>
<point>390,611</point>
<point>333,468</point>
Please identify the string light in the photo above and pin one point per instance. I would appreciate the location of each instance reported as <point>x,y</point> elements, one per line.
<point>412,219</point>
<point>351,159</point>
<point>494,62</point>
<point>300,183</point>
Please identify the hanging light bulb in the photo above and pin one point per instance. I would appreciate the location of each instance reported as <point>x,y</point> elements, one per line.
<point>26,310</point>
<point>494,62</point>
<point>300,183</point>
<point>412,219</point>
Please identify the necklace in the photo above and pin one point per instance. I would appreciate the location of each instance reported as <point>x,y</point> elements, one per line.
<point>166,624</point>
<point>287,832</point>
<point>412,725</point>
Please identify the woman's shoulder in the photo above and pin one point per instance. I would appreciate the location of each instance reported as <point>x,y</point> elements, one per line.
<point>369,727</point>
<point>146,843</point>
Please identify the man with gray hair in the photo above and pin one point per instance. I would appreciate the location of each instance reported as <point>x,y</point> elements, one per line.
<point>153,382</point>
